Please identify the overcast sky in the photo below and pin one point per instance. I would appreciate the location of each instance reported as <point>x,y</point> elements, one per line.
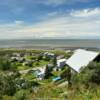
<point>49,19</point>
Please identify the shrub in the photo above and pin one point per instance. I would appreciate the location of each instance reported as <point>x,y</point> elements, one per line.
<point>7,85</point>
<point>4,64</point>
<point>22,95</point>
<point>90,74</point>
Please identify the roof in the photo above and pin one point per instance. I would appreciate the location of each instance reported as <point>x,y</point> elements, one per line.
<point>61,60</point>
<point>81,58</point>
<point>50,65</point>
<point>41,71</point>
<point>60,57</point>
<point>48,53</point>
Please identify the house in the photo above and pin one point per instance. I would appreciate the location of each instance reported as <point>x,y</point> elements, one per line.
<point>40,73</point>
<point>61,63</point>
<point>68,51</point>
<point>16,54</point>
<point>50,65</point>
<point>60,57</point>
<point>27,63</point>
<point>19,59</point>
<point>49,55</point>
<point>80,59</point>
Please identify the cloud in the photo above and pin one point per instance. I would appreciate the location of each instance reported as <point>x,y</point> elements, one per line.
<point>76,24</point>
<point>60,2</point>
<point>18,22</point>
<point>21,7</point>
<point>86,12</point>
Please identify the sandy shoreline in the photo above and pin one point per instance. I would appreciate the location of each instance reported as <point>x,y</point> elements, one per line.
<point>50,48</point>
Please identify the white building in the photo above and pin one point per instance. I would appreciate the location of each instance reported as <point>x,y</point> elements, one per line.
<point>40,73</point>
<point>61,63</point>
<point>80,59</point>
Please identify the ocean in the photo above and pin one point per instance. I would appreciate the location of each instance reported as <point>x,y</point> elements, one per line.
<point>29,43</point>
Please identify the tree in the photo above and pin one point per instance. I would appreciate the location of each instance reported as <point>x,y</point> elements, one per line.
<point>47,58</point>
<point>55,61</point>
<point>47,72</point>
<point>7,85</point>
<point>66,74</point>
<point>4,64</point>
<point>40,56</point>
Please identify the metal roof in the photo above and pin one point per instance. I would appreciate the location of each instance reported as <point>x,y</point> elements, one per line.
<point>81,58</point>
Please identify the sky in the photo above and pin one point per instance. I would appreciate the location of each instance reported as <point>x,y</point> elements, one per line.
<point>32,19</point>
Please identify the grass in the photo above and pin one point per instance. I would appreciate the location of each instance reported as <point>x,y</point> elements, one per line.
<point>40,63</point>
<point>22,68</point>
<point>56,73</point>
<point>29,77</point>
<point>59,52</point>
<point>50,91</point>
<point>84,94</point>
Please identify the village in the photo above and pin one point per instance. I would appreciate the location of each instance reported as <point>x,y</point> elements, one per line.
<point>33,70</point>
<point>80,58</point>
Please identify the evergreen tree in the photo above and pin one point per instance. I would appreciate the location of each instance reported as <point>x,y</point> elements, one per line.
<point>55,61</point>
<point>47,72</point>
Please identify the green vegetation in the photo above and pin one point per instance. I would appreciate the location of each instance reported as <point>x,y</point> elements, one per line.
<point>7,85</point>
<point>25,86</point>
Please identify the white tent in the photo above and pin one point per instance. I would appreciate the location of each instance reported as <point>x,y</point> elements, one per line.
<point>81,58</point>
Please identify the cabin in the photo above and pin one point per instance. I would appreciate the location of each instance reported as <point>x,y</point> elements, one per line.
<point>81,58</point>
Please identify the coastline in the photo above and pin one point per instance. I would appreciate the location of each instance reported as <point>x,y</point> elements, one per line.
<point>51,44</point>
<point>64,48</point>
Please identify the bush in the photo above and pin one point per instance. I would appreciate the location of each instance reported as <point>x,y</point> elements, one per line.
<point>4,64</point>
<point>89,75</point>
<point>7,85</point>
<point>22,95</point>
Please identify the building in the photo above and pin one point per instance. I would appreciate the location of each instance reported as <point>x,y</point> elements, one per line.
<point>61,63</point>
<point>80,59</point>
<point>60,57</point>
<point>18,59</point>
<point>49,55</point>
<point>16,54</point>
<point>40,73</point>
